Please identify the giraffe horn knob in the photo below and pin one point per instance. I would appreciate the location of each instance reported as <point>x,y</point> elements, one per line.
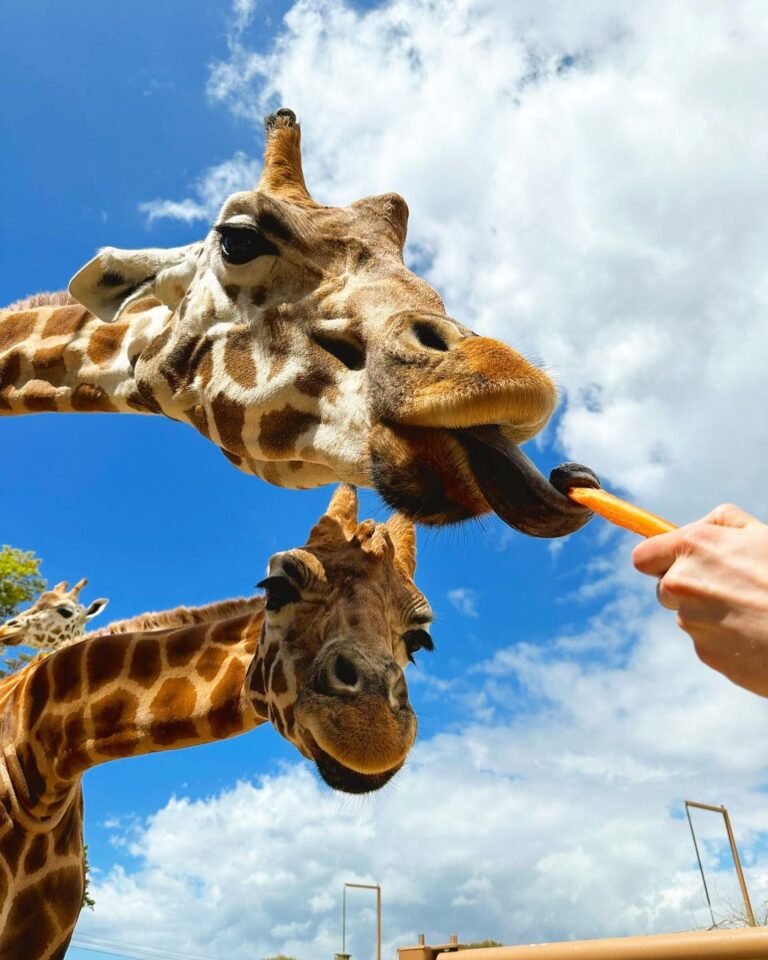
<point>78,587</point>
<point>283,175</point>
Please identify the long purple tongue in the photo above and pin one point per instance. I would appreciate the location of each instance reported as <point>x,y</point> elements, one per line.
<point>516,489</point>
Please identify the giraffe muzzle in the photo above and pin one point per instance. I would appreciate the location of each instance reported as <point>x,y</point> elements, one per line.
<point>353,712</point>
<point>10,633</point>
<point>518,492</point>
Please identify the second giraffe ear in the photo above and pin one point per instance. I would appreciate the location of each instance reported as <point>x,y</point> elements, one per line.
<point>114,279</point>
<point>95,608</point>
<point>403,535</point>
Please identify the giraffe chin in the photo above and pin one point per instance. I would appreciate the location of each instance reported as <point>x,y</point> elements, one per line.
<point>339,777</point>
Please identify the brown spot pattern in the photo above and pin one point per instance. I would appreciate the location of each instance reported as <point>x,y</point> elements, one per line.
<point>280,430</point>
<point>145,665</point>
<point>105,341</point>
<point>66,320</point>
<point>104,663</point>
<point>210,661</point>
<point>238,357</point>
<point>10,369</point>
<point>48,363</point>
<point>229,417</point>
<point>277,682</point>
<point>88,398</point>
<point>16,328</point>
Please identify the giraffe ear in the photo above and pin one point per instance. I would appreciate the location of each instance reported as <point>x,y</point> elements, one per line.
<point>95,607</point>
<point>402,532</point>
<point>114,279</point>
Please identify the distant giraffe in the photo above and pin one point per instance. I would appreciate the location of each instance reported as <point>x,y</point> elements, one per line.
<point>55,619</point>
<point>295,339</point>
<point>321,656</point>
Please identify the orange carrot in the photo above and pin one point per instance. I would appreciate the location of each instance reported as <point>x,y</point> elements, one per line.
<point>620,512</point>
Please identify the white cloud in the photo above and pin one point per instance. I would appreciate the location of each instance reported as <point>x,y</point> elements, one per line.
<point>464,600</point>
<point>587,182</point>
<point>564,820</point>
<point>211,189</point>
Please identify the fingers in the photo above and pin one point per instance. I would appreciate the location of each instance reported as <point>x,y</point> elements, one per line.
<point>729,515</point>
<point>656,555</point>
<point>667,599</point>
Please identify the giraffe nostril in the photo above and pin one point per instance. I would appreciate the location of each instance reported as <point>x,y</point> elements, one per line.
<point>344,671</point>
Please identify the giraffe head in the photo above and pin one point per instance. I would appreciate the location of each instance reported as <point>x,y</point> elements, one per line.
<point>54,620</point>
<point>343,619</point>
<point>298,341</point>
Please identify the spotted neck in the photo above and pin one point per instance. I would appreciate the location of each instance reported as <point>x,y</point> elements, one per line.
<point>63,359</point>
<point>124,695</point>
<point>107,697</point>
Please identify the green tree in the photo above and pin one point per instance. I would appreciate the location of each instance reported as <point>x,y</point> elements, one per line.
<point>20,583</point>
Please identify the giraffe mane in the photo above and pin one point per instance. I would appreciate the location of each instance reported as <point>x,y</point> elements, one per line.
<point>182,616</point>
<point>57,298</point>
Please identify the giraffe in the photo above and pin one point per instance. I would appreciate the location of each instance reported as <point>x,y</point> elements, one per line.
<point>321,656</point>
<point>55,620</point>
<point>294,337</point>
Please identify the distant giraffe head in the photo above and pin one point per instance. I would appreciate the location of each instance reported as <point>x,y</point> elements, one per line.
<point>343,619</point>
<point>54,620</point>
<point>295,338</point>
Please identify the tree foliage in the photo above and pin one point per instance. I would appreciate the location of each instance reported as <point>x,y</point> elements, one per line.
<point>20,580</point>
<point>20,584</point>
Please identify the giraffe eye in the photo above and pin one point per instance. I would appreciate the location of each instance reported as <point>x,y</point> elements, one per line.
<point>280,591</point>
<point>241,244</point>
<point>64,612</point>
<point>417,640</point>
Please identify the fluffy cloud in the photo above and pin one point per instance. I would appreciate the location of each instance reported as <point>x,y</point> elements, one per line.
<point>464,600</point>
<point>583,183</point>
<point>587,182</point>
<point>563,820</point>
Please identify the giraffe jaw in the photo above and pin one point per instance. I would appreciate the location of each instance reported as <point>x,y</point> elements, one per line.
<point>340,777</point>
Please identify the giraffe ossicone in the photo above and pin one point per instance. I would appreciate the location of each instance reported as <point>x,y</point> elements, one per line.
<point>295,338</point>
<point>321,656</point>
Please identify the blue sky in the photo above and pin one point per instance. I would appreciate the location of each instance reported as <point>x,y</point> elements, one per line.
<point>108,107</point>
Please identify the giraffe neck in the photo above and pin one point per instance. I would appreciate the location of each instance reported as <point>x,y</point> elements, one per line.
<point>123,695</point>
<point>101,699</point>
<point>56,358</point>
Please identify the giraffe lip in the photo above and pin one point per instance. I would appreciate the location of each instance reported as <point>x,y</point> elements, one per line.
<point>9,633</point>
<point>517,491</point>
<point>339,777</point>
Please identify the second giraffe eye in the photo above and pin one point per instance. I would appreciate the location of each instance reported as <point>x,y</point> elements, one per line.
<point>417,640</point>
<point>242,244</point>
<point>64,612</point>
<point>280,591</point>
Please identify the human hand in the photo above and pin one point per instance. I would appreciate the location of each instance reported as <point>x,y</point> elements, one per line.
<point>714,573</point>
